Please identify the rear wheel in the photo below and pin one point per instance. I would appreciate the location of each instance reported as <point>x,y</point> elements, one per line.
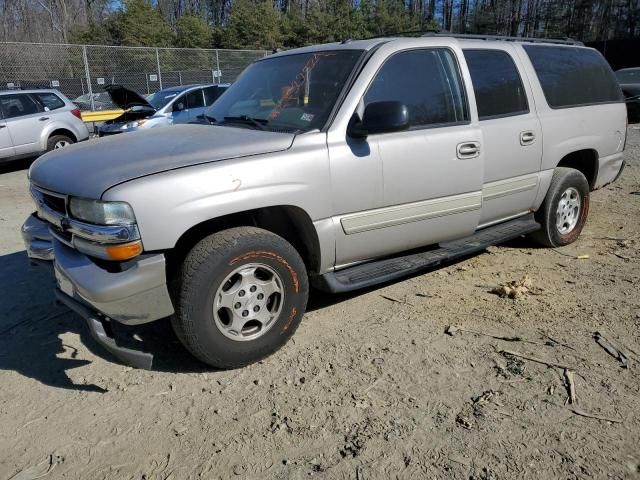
<point>58,141</point>
<point>564,211</point>
<point>242,294</point>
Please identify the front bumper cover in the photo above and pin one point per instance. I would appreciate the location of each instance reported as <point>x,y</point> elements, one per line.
<point>135,294</point>
<point>101,332</point>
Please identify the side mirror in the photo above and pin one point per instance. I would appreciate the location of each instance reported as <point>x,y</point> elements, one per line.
<point>381,117</point>
<point>178,107</point>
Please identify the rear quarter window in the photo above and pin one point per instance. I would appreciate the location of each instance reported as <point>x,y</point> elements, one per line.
<point>49,100</point>
<point>573,76</point>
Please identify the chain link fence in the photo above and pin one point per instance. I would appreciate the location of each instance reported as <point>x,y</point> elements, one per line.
<point>82,71</point>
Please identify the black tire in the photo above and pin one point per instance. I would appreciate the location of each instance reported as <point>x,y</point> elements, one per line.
<point>209,263</point>
<point>563,179</point>
<point>56,139</point>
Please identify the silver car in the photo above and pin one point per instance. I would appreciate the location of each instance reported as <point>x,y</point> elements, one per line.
<point>182,104</point>
<point>37,121</point>
<point>344,166</point>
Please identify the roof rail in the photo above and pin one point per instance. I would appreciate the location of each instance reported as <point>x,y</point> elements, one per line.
<point>471,36</point>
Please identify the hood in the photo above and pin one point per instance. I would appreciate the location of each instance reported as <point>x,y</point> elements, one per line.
<point>88,169</point>
<point>125,98</point>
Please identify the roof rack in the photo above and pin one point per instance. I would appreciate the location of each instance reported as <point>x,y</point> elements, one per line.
<point>471,36</point>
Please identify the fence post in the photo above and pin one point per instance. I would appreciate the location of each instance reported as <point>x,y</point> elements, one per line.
<point>218,68</point>
<point>158,64</point>
<point>88,75</point>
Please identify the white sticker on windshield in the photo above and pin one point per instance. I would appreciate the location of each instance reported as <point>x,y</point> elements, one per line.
<point>307,117</point>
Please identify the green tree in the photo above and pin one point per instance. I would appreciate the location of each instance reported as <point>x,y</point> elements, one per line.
<point>252,24</point>
<point>192,32</point>
<point>293,28</point>
<point>140,24</point>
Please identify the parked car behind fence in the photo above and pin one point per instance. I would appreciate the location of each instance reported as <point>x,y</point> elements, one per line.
<point>629,79</point>
<point>166,107</point>
<point>36,121</point>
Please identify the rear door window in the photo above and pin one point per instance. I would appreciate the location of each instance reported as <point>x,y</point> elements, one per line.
<point>211,94</point>
<point>573,76</point>
<point>496,83</point>
<point>427,81</point>
<point>194,99</point>
<point>18,105</point>
<point>49,100</point>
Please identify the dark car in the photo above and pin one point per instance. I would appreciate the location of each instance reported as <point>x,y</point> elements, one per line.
<point>629,80</point>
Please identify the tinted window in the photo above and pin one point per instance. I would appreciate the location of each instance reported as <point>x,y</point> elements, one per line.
<point>572,76</point>
<point>427,82</point>
<point>496,83</point>
<point>194,99</point>
<point>211,94</point>
<point>161,98</point>
<point>18,105</point>
<point>50,100</point>
<point>631,75</point>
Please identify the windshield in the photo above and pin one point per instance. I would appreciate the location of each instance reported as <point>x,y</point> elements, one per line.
<point>161,98</point>
<point>629,76</point>
<point>289,93</point>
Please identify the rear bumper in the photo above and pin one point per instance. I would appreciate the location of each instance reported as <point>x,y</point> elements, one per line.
<point>136,294</point>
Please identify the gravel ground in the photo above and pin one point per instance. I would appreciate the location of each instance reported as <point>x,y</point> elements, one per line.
<point>370,387</point>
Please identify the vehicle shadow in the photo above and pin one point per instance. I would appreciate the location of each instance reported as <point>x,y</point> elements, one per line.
<point>16,165</point>
<point>319,299</point>
<point>33,326</point>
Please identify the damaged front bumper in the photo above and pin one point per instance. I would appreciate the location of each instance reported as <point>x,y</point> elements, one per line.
<point>133,294</point>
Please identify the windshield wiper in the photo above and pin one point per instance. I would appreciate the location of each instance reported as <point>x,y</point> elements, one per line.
<point>256,122</point>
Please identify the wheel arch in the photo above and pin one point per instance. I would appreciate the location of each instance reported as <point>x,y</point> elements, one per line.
<point>290,222</point>
<point>585,161</point>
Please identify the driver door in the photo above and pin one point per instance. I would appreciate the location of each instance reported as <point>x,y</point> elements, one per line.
<point>422,185</point>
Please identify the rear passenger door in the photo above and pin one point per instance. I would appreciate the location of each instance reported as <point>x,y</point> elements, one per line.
<point>511,131</point>
<point>24,119</point>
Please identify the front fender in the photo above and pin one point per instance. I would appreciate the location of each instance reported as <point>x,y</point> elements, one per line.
<point>168,204</point>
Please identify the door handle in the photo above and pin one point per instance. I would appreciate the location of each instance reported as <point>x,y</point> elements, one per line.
<point>468,150</point>
<point>3,126</point>
<point>43,119</point>
<point>527,138</point>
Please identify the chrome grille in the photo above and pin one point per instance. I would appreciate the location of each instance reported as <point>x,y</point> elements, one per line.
<point>54,203</point>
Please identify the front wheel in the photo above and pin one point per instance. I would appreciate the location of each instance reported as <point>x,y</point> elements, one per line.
<point>564,211</point>
<point>242,294</point>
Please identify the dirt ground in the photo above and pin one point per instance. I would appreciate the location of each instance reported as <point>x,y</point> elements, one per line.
<point>371,385</point>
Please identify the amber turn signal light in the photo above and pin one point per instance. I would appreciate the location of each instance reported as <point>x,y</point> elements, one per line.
<point>123,251</point>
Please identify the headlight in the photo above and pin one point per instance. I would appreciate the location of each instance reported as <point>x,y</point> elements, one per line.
<point>134,124</point>
<point>101,213</point>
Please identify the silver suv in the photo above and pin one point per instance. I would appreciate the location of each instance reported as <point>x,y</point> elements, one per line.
<point>36,121</point>
<point>343,165</point>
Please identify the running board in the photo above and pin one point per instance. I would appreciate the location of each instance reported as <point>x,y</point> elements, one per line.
<point>387,269</point>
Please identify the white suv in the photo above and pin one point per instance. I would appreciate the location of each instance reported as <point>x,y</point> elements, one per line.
<point>36,121</point>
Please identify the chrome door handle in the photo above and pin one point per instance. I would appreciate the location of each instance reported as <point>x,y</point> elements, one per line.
<point>527,138</point>
<point>43,119</point>
<point>468,150</point>
<point>3,126</point>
